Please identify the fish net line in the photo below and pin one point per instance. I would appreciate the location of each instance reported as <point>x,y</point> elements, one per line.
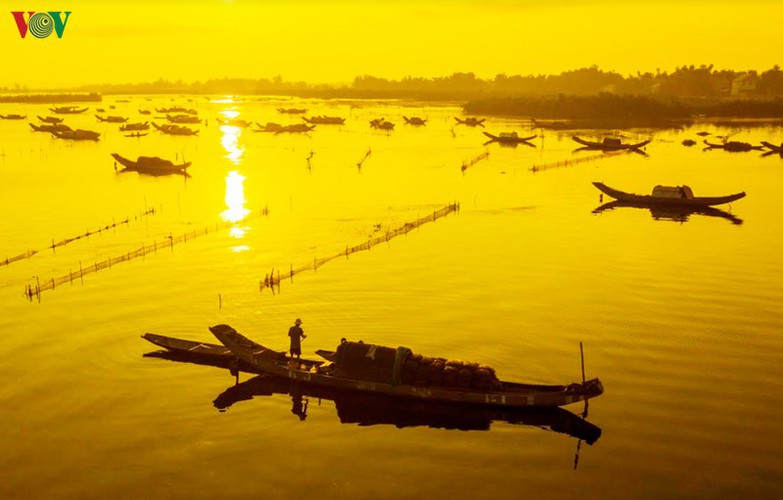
<point>466,165</point>
<point>574,161</point>
<point>34,290</point>
<point>62,243</point>
<point>275,276</point>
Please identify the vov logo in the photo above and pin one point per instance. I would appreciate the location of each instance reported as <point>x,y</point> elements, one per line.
<point>41,24</point>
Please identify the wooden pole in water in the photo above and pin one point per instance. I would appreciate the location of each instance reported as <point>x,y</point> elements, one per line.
<point>582,354</point>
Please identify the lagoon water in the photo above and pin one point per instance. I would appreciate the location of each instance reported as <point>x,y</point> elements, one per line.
<point>680,319</point>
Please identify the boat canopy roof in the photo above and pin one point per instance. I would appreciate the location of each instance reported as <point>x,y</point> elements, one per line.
<point>672,192</point>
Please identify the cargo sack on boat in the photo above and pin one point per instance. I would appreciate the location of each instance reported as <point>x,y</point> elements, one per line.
<point>370,362</point>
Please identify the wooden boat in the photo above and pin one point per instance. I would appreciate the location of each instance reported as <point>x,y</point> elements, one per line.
<point>136,134</point>
<point>135,127</point>
<point>67,110</point>
<point>772,147</point>
<point>509,138</point>
<point>174,129</point>
<point>145,112</point>
<point>324,120</point>
<point>13,117</point>
<point>77,135</point>
<point>50,119</point>
<point>292,111</point>
<point>668,195</point>
<point>183,119</point>
<point>269,127</point>
<point>677,213</point>
<point>732,146</point>
<point>176,109</point>
<point>609,144</point>
<point>414,120</point>
<point>112,119</point>
<point>399,373</point>
<point>151,164</point>
<point>688,142</point>
<point>296,128</point>
<point>57,127</point>
<point>471,121</point>
<point>364,408</point>
<point>381,124</point>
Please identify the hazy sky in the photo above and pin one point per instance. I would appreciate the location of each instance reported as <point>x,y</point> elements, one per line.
<point>333,41</point>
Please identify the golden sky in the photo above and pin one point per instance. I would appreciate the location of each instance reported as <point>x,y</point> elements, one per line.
<point>333,41</point>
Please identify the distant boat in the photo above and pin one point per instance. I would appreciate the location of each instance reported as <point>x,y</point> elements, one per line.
<point>732,146</point>
<point>471,121</point>
<point>50,119</point>
<point>112,119</point>
<point>269,127</point>
<point>688,142</point>
<point>135,126</point>
<point>609,144</point>
<point>174,129</point>
<point>135,134</point>
<point>151,165</point>
<point>56,127</point>
<point>509,138</point>
<point>292,111</point>
<point>324,120</point>
<point>183,119</point>
<point>415,120</point>
<point>381,124</point>
<point>13,117</point>
<point>296,128</point>
<point>145,112</point>
<point>176,109</point>
<point>77,135</point>
<point>668,195</point>
<point>67,110</point>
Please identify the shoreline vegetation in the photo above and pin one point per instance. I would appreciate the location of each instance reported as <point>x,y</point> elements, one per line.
<point>585,98</point>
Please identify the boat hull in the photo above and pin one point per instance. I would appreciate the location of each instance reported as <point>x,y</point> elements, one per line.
<point>658,200</point>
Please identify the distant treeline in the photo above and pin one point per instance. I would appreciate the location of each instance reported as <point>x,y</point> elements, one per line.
<point>686,81</point>
<point>51,98</point>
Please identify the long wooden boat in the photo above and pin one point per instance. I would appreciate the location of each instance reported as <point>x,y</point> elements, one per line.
<point>772,147</point>
<point>67,110</point>
<point>130,127</point>
<point>324,120</point>
<point>170,129</point>
<point>509,138</point>
<point>56,127</point>
<point>668,195</point>
<point>77,135</point>
<point>183,119</point>
<point>609,144</point>
<point>50,119</point>
<point>111,119</point>
<point>296,128</point>
<point>732,146</point>
<point>415,120</point>
<point>381,124</point>
<point>677,213</point>
<point>13,117</point>
<point>292,111</point>
<point>355,407</point>
<point>269,127</point>
<point>176,109</point>
<point>399,373</point>
<point>151,164</point>
<point>471,121</point>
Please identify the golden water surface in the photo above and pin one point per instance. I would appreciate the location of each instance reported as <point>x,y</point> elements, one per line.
<point>680,319</point>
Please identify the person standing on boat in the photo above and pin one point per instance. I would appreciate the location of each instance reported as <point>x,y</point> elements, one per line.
<point>297,334</point>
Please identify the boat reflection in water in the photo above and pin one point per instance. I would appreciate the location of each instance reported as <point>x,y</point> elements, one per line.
<point>674,213</point>
<point>373,409</point>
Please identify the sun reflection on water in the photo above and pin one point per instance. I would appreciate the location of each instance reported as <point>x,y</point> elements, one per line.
<point>235,201</point>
